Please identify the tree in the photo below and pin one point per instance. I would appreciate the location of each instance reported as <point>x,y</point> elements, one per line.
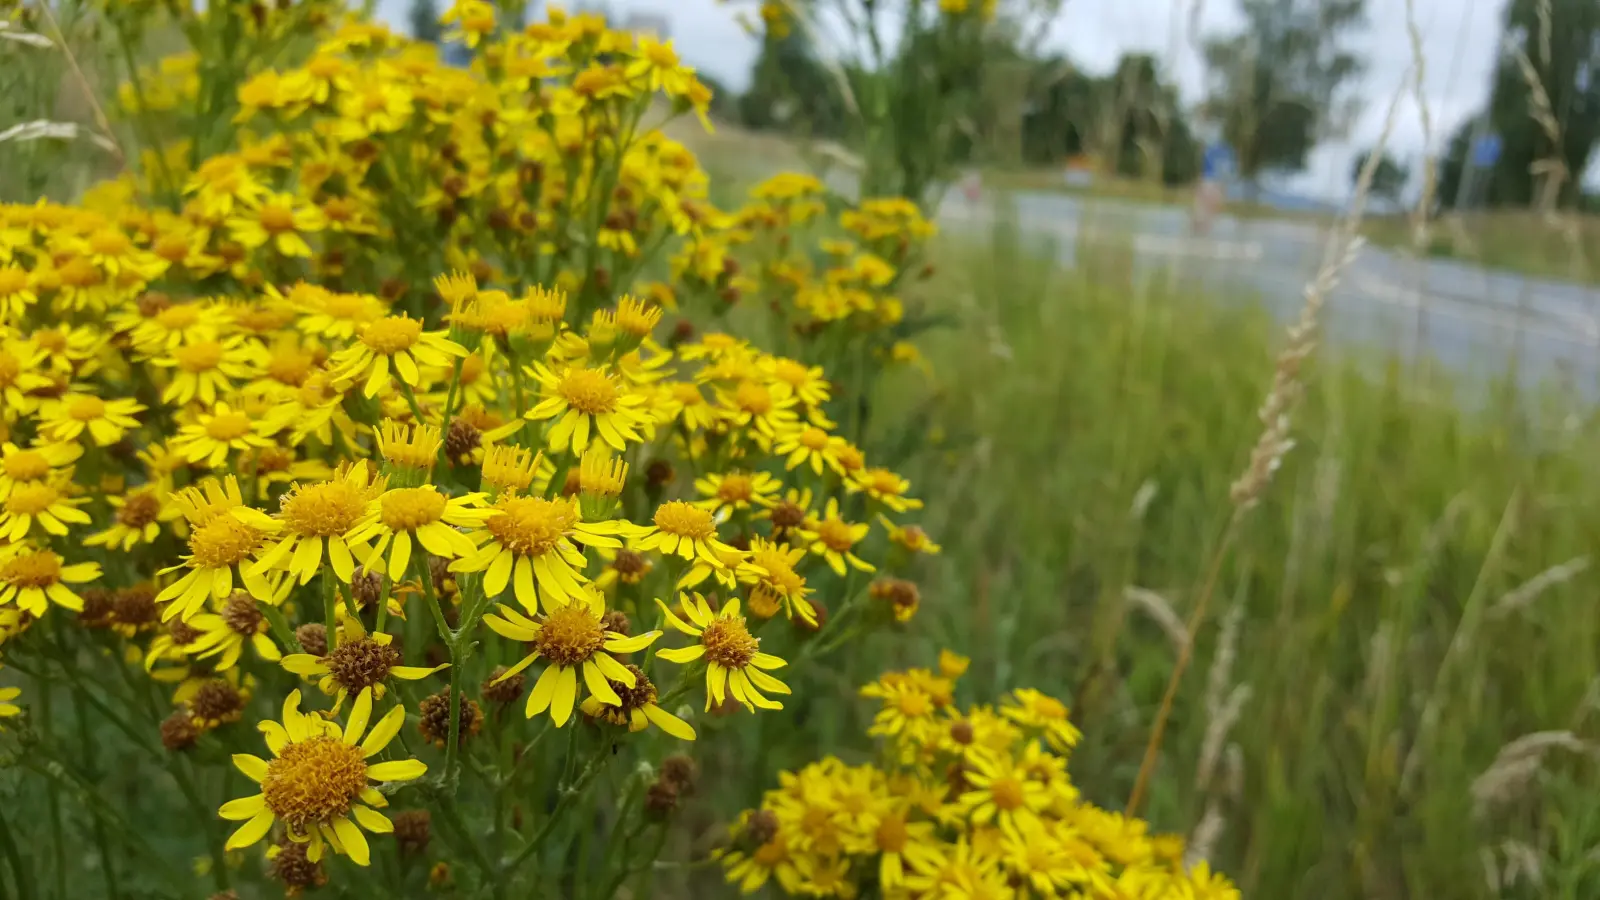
<point>1570,74</point>
<point>1272,88</point>
<point>1388,179</point>
<point>791,90</point>
<point>424,18</point>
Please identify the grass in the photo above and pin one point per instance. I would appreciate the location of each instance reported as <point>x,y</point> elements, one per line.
<point>1089,424</point>
<point>1567,248</point>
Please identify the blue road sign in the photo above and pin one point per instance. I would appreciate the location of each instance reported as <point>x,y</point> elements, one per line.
<point>1217,161</point>
<point>1486,151</point>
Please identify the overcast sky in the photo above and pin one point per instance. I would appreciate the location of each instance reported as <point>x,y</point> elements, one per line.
<point>1458,36</point>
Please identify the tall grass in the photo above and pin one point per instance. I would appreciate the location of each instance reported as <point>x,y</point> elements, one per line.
<point>1092,420</point>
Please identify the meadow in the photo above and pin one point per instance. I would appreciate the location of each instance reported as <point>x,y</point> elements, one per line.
<point>908,501</point>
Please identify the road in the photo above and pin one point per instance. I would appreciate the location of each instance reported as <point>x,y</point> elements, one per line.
<point>1474,320</point>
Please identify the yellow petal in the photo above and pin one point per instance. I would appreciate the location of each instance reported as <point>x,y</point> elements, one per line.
<point>383,732</point>
<point>669,723</point>
<point>253,767</point>
<point>355,843</point>
<point>251,831</point>
<point>397,770</point>
<point>243,808</point>
<point>543,691</point>
<point>566,695</point>
<point>597,684</point>
<point>372,820</point>
<point>360,713</point>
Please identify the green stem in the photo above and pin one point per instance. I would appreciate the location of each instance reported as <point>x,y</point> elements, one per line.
<point>21,874</point>
<point>280,628</point>
<point>411,401</point>
<point>449,412</point>
<point>453,644</point>
<point>330,619</point>
<point>575,792</point>
<point>86,745</point>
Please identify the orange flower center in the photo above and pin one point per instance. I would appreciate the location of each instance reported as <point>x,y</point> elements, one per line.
<point>276,218</point>
<point>835,535</point>
<point>407,509</point>
<point>728,643</point>
<point>314,781</point>
<point>679,518</point>
<point>31,499</point>
<point>223,541</point>
<point>228,426</point>
<point>892,835</point>
<point>570,635</point>
<point>179,317</point>
<point>25,465</point>
<point>813,438</point>
<point>753,398</point>
<point>12,281</point>
<point>392,335</point>
<point>736,487</point>
<point>199,357</point>
<point>106,242</point>
<point>531,526</point>
<point>1007,793</point>
<point>588,391</point>
<point>86,408</point>
<point>322,510</point>
<point>34,570</point>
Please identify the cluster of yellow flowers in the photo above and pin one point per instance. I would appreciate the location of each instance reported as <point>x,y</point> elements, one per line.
<point>253,437</point>
<point>968,802</point>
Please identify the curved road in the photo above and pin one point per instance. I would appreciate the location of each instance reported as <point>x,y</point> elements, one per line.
<point>1475,320</point>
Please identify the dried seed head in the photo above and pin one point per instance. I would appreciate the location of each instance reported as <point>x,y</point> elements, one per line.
<point>660,799</point>
<point>961,732</point>
<point>762,827</point>
<point>508,691</point>
<point>241,614</point>
<point>313,638</point>
<point>434,723</point>
<point>217,702</point>
<point>182,632</point>
<point>134,608</point>
<point>461,440</point>
<point>659,472</point>
<point>98,608</point>
<point>178,731</point>
<point>361,663</point>
<point>298,873</point>
<point>681,772</point>
<point>616,620</point>
<point>366,587</point>
<point>413,829</point>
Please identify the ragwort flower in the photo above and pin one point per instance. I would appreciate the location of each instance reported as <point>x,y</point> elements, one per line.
<point>734,661</point>
<point>318,780</point>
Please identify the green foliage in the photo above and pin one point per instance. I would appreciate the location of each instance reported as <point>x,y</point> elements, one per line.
<point>1274,84</point>
<point>1093,420</point>
<point>424,21</point>
<point>1388,179</point>
<point>1571,77</point>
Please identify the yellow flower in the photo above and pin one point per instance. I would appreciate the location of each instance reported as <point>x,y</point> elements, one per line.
<point>43,503</point>
<point>225,535</point>
<point>326,314</point>
<point>16,292</point>
<point>356,663</point>
<point>281,221</point>
<point>225,632</point>
<point>137,520</point>
<point>637,709</point>
<point>1000,790</point>
<point>507,467</point>
<point>422,514</point>
<point>883,486</point>
<point>798,379</point>
<point>317,782</point>
<point>774,582</point>
<point>732,492</point>
<point>572,638</point>
<point>211,435</point>
<point>834,539</point>
<point>397,341</point>
<point>687,531</point>
<point>174,325</point>
<point>207,369</point>
<point>734,662</point>
<point>808,444</point>
<point>20,366</point>
<point>69,416</point>
<point>32,578</point>
<point>8,706</point>
<point>911,537</point>
<point>473,19</point>
<point>657,63</point>
<point>528,541</point>
<point>581,400</point>
<point>21,466</point>
<point>326,513</point>
<point>1039,711</point>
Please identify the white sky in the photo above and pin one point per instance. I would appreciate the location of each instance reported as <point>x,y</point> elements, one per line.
<point>1458,39</point>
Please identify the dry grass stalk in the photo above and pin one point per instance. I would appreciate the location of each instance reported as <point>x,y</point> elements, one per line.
<point>1517,764</point>
<point>1420,216</point>
<point>1274,442</point>
<point>1160,611</point>
<point>1217,728</point>
<point>1203,839</point>
<point>109,138</point>
<point>1524,594</point>
<point>1222,663</point>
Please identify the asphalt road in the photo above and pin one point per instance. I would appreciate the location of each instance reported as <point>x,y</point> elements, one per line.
<point>1478,322</point>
